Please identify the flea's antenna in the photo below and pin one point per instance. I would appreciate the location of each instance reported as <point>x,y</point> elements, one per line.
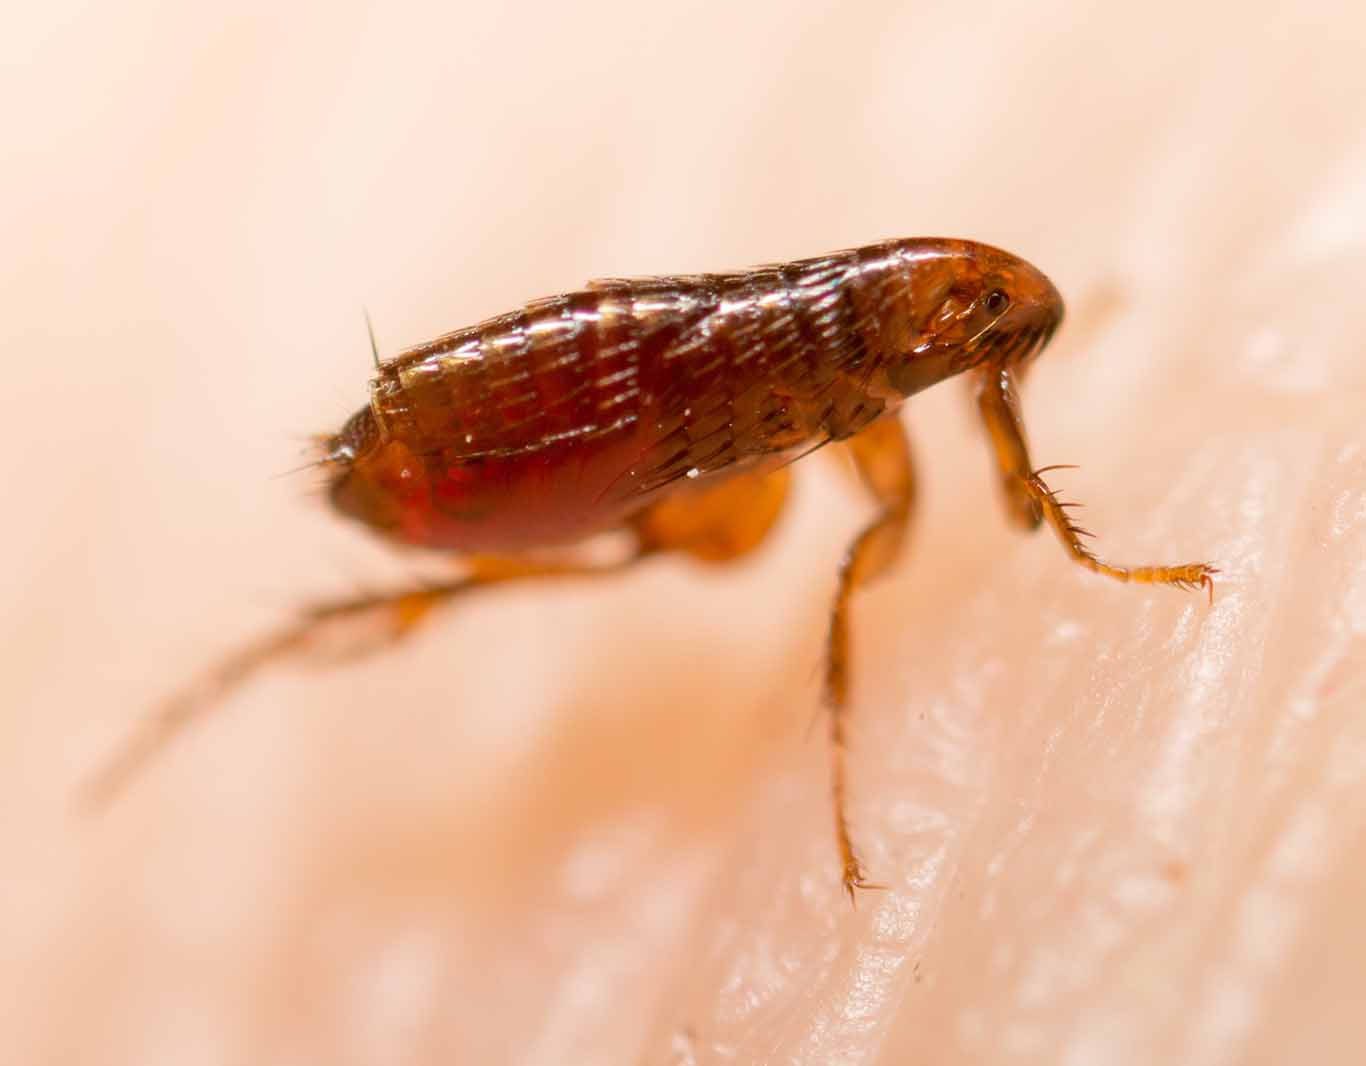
<point>370,329</point>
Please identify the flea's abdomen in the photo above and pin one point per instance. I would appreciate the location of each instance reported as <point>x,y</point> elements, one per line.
<point>561,419</point>
<point>508,503</point>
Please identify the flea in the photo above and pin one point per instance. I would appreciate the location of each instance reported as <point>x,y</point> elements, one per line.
<point>672,409</point>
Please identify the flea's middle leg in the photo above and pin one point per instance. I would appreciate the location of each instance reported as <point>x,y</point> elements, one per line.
<point>882,456</point>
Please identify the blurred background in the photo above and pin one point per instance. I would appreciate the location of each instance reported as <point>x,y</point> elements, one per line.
<point>589,823</point>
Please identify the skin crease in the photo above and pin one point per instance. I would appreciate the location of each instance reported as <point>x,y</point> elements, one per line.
<point>589,823</point>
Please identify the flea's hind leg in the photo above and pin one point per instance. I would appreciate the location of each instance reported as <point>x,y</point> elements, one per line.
<point>882,456</point>
<point>715,523</point>
<point>400,610</point>
<point>1031,500</point>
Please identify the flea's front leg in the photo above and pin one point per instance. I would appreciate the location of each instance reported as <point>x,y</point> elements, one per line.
<point>1030,500</point>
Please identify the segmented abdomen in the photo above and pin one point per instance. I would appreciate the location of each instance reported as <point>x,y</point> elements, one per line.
<point>642,382</point>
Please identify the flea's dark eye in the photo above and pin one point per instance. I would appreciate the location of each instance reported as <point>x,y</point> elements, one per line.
<point>997,301</point>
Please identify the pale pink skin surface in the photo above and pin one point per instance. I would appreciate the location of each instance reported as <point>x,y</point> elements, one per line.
<point>587,824</point>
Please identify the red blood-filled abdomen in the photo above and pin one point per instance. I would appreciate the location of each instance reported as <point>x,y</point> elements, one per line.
<point>553,495</point>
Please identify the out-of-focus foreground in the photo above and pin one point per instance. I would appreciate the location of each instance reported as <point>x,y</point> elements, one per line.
<point>589,824</point>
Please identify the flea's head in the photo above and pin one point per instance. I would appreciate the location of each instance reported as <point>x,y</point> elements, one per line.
<point>966,304</point>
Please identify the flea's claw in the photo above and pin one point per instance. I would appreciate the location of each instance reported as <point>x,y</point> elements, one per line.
<point>1207,580</point>
<point>853,879</point>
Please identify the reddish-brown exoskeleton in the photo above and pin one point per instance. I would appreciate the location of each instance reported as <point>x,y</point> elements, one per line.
<point>672,408</point>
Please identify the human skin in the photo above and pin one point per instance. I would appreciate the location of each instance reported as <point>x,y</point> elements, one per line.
<point>589,823</point>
